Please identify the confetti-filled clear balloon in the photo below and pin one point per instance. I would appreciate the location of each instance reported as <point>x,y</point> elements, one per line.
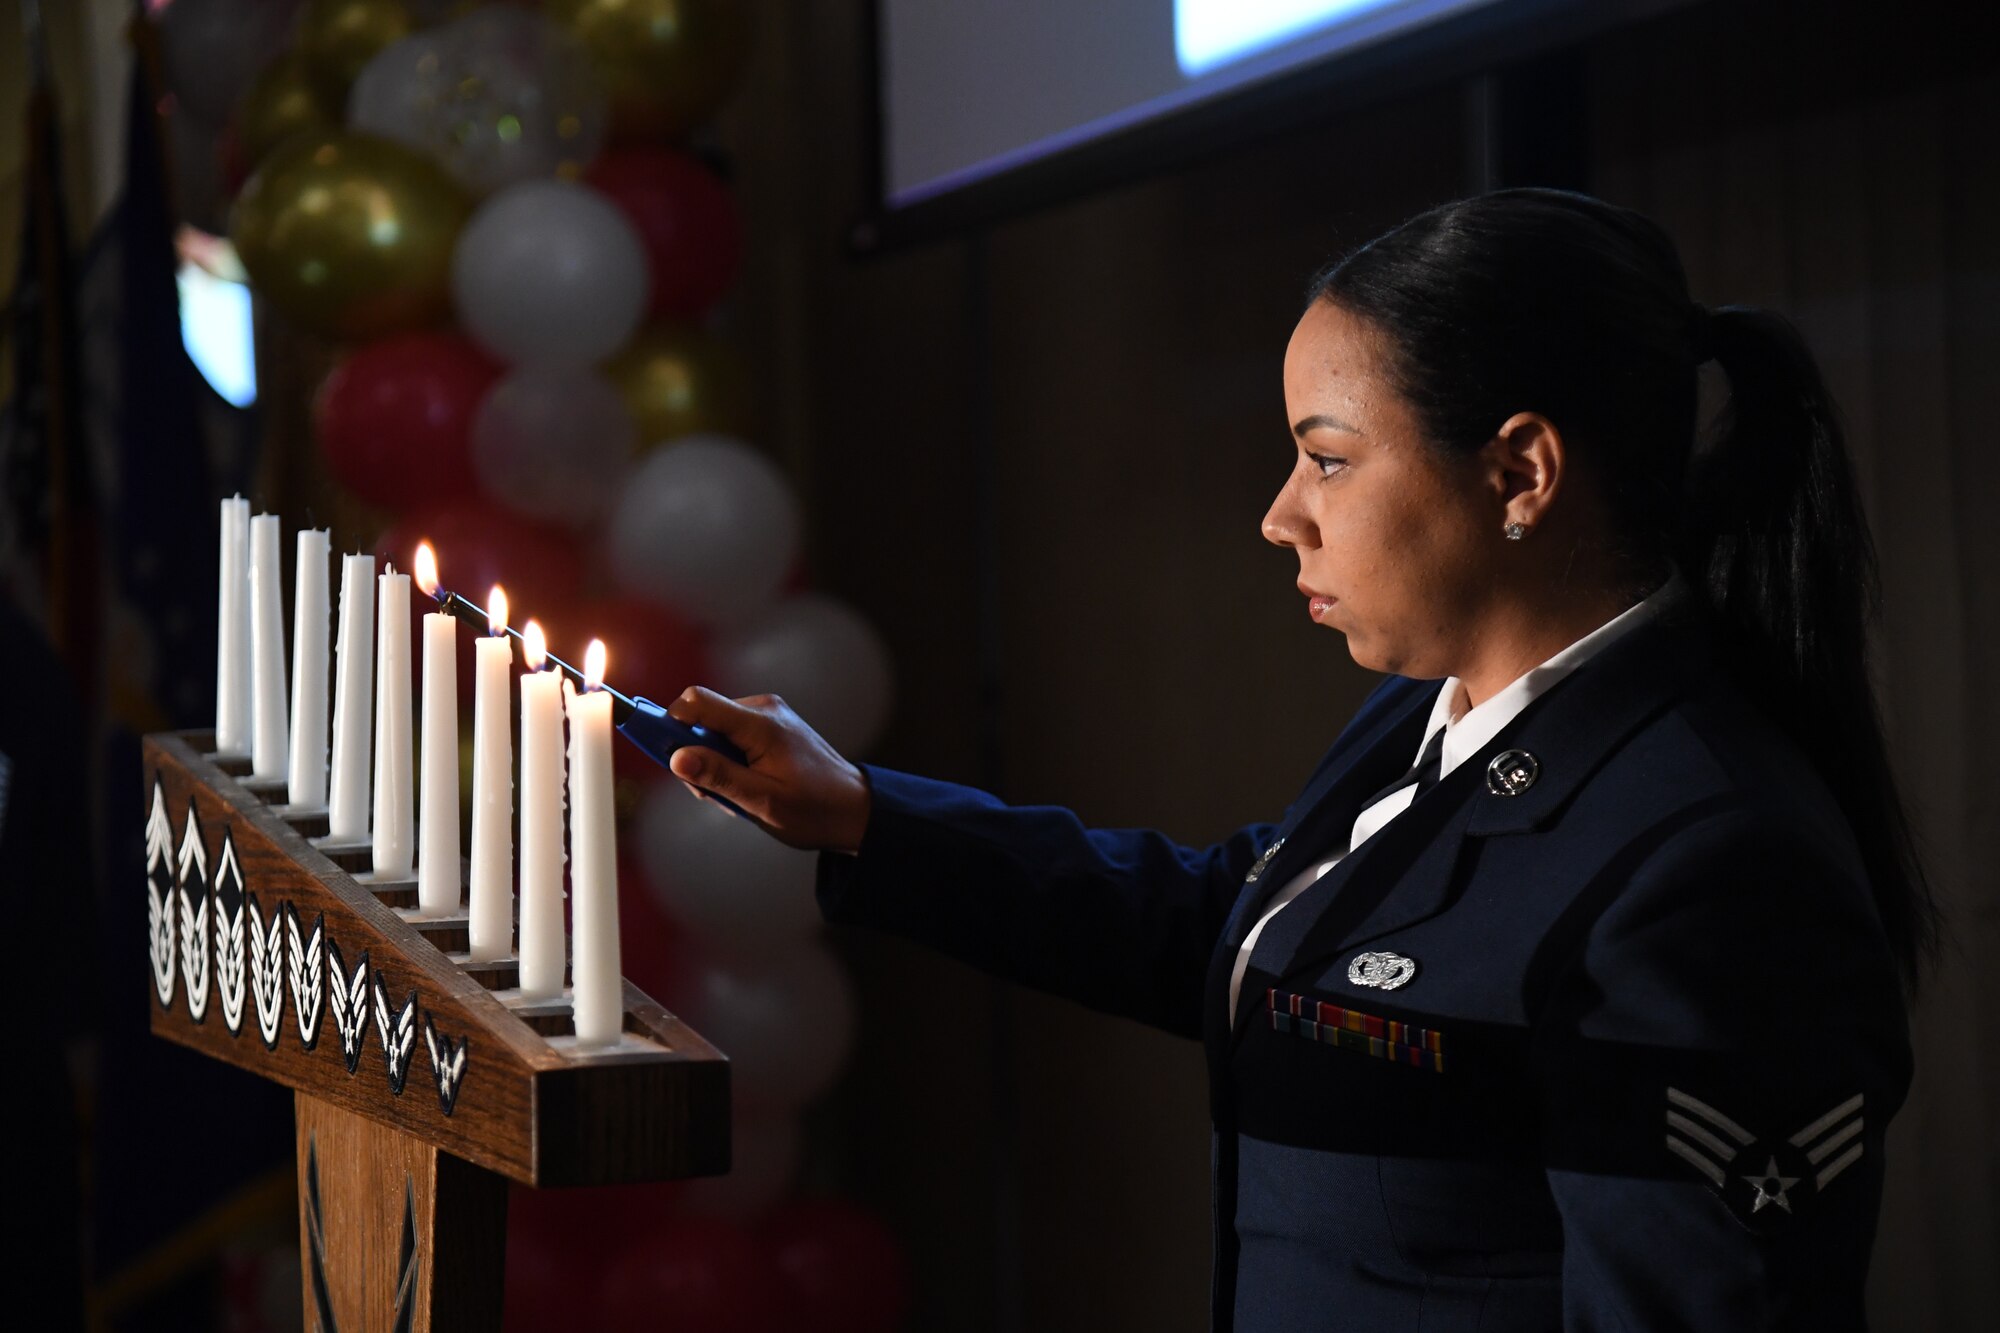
<point>498,96</point>
<point>821,657</point>
<point>553,443</point>
<point>706,526</point>
<point>549,273</point>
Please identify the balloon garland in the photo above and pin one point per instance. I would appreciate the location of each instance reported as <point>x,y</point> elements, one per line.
<point>494,210</point>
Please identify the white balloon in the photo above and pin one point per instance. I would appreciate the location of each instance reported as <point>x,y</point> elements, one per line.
<point>705,525</point>
<point>549,273</point>
<point>818,655</point>
<point>764,1159</point>
<point>498,96</point>
<point>784,1017</point>
<point>721,876</point>
<point>552,443</point>
<point>212,50</point>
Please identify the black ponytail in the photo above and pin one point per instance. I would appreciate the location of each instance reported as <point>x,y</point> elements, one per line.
<point>1533,299</point>
<point>1775,533</point>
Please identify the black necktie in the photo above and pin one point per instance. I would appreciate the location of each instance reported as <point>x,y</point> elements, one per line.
<point>1424,772</point>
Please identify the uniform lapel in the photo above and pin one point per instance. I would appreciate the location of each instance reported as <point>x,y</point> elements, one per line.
<point>1406,871</point>
<point>1375,758</point>
<point>1372,756</point>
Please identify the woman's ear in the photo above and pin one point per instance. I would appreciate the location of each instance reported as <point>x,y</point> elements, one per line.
<point>1525,463</point>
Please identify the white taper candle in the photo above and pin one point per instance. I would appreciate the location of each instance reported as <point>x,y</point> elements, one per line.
<point>395,819</point>
<point>353,700</point>
<point>270,732</point>
<point>306,782</point>
<point>491,927</point>
<point>597,979</point>
<point>232,631</point>
<point>437,831</point>
<point>542,942</point>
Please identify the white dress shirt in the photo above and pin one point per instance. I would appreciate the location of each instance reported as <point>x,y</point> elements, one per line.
<point>1465,731</point>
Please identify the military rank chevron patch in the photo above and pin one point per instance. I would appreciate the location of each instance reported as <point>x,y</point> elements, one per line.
<point>1763,1179</point>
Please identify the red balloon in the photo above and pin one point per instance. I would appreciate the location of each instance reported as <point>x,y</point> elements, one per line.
<point>540,1285</point>
<point>652,652</point>
<point>685,218</point>
<point>395,418</point>
<point>560,1243</point>
<point>694,1275</point>
<point>648,939</point>
<point>842,1267</point>
<point>479,544</point>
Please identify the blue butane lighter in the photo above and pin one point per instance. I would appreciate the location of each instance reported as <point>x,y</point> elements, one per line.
<point>648,726</point>
<point>643,722</point>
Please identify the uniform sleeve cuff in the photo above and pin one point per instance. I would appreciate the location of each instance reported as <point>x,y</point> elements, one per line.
<point>860,887</point>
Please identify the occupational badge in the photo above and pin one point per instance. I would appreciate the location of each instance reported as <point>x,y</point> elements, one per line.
<point>1382,971</point>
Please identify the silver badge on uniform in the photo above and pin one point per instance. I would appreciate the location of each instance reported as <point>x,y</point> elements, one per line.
<point>1263,859</point>
<point>1512,772</point>
<point>1382,971</point>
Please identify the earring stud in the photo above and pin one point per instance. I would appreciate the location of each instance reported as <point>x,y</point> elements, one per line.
<point>1516,531</point>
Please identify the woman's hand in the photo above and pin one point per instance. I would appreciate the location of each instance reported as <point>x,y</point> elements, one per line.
<point>795,785</point>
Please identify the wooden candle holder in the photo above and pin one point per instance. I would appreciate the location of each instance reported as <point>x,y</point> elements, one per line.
<point>423,1082</point>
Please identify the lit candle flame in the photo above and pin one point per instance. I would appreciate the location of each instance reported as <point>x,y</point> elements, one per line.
<point>593,665</point>
<point>534,647</point>
<point>427,569</point>
<point>496,610</point>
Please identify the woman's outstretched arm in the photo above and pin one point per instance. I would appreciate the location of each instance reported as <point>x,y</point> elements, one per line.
<point>1120,919</point>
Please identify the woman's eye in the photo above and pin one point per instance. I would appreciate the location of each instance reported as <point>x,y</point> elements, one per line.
<point>1327,463</point>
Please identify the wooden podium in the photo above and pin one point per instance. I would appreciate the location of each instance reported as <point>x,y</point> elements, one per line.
<point>422,1084</point>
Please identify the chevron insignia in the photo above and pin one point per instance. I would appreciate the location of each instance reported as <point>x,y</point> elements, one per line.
<point>447,1063</point>
<point>229,904</point>
<point>398,1030</point>
<point>307,968</point>
<point>1763,1179</point>
<point>160,894</point>
<point>347,994</point>
<point>193,877</point>
<point>267,968</point>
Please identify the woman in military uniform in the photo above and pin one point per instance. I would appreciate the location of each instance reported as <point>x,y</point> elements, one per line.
<point>1570,990</point>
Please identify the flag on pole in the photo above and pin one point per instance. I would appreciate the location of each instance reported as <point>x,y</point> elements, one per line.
<point>50,502</point>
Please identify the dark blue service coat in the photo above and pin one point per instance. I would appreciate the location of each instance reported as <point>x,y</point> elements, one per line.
<point>1622,1058</point>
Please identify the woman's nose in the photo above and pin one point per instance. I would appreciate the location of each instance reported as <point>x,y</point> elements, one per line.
<point>1285,524</point>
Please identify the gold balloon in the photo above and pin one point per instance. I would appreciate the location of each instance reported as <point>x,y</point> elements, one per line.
<point>667,64</point>
<point>350,235</point>
<point>677,380</point>
<point>282,102</point>
<point>338,37</point>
